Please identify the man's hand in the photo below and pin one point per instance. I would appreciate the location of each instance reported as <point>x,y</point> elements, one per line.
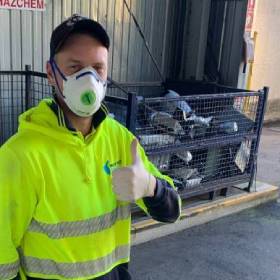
<point>133,182</point>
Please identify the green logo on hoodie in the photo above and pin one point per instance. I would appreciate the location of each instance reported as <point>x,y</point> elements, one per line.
<point>109,167</point>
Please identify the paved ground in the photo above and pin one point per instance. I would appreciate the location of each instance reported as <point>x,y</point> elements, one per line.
<point>243,246</point>
<point>269,155</point>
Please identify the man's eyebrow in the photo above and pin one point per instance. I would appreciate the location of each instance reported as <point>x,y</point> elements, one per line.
<point>98,64</point>
<point>74,61</point>
<point>95,64</point>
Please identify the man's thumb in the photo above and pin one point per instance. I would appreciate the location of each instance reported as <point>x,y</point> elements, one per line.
<point>134,154</point>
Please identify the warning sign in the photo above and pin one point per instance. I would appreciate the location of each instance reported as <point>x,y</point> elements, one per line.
<point>36,5</point>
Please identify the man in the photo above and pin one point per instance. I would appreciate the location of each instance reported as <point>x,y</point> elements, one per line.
<point>68,176</point>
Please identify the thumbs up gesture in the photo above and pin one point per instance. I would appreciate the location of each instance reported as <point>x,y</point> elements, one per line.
<point>133,182</point>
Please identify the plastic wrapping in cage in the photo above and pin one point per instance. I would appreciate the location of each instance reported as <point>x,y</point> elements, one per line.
<point>186,177</point>
<point>242,156</point>
<point>162,161</point>
<point>207,165</point>
<point>189,118</point>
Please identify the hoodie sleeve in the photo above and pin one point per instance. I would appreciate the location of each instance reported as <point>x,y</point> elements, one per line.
<point>17,203</point>
<point>165,206</point>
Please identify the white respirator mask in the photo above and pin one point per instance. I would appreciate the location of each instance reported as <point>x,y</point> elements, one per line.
<point>83,92</point>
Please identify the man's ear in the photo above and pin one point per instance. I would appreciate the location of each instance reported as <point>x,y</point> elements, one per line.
<point>50,74</point>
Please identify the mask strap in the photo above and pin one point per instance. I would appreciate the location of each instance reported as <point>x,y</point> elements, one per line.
<point>53,63</point>
<point>97,76</point>
<point>53,66</point>
<point>104,82</point>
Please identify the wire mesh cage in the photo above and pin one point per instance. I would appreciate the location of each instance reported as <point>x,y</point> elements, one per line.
<point>204,136</point>
<point>39,89</point>
<point>12,102</point>
<point>19,90</point>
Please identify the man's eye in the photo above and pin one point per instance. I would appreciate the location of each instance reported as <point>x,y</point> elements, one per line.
<point>99,70</point>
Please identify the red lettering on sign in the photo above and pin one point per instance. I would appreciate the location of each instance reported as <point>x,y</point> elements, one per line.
<point>251,4</point>
<point>250,15</point>
<point>40,4</point>
<point>26,4</point>
<point>18,3</point>
<point>7,3</point>
<point>23,4</point>
<point>13,4</point>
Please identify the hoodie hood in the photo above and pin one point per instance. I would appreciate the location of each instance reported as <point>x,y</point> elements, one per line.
<point>44,120</point>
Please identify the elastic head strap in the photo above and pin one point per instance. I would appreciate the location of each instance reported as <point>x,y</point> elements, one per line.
<point>55,67</point>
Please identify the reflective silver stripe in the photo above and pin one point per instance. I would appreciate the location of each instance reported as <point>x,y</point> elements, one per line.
<point>79,228</point>
<point>61,117</point>
<point>104,109</point>
<point>8,271</point>
<point>75,270</point>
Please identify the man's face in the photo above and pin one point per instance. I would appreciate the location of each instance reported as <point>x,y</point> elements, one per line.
<point>79,51</point>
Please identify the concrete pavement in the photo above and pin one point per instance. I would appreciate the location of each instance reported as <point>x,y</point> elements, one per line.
<point>244,246</point>
<point>269,155</point>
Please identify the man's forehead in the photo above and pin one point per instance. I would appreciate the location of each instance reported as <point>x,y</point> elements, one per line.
<point>82,38</point>
<point>87,48</point>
